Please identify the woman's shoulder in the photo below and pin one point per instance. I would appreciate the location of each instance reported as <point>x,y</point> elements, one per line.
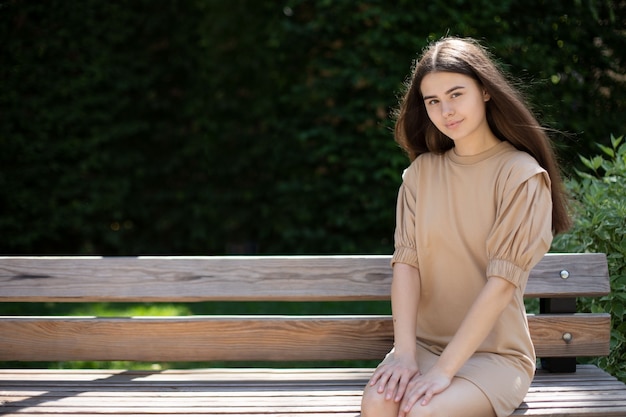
<point>519,161</point>
<point>517,166</point>
<point>426,159</point>
<point>423,161</point>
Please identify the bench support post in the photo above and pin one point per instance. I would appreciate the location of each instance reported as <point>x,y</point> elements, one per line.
<point>558,306</point>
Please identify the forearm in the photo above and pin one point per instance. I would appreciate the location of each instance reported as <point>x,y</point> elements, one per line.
<point>475,328</point>
<point>405,290</point>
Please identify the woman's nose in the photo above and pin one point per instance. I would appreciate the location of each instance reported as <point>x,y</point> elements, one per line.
<point>447,110</point>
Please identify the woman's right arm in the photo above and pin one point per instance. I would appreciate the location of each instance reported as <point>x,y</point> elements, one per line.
<point>394,375</point>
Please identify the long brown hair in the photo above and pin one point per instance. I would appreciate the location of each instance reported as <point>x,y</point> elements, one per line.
<point>508,114</point>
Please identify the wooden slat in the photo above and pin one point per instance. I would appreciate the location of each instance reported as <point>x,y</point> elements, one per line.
<point>184,279</point>
<point>196,338</point>
<point>269,278</point>
<point>588,276</point>
<point>272,338</point>
<point>590,334</point>
<point>271,392</point>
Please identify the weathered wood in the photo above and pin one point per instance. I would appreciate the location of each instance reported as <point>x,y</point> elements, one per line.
<point>294,278</point>
<point>271,392</point>
<point>590,334</point>
<point>271,338</point>
<point>196,338</point>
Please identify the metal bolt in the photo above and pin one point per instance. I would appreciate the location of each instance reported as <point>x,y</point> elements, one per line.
<point>564,274</point>
<point>567,337</point>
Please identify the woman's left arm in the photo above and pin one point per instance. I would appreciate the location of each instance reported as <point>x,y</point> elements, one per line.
<point>482,316</point>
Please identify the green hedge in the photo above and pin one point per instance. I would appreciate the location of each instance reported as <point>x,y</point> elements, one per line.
<point>213,127</point>
<point>599,209</point>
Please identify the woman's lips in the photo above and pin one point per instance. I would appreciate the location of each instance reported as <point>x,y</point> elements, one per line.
<point>453,124</point>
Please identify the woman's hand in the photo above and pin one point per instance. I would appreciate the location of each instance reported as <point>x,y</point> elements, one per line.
<point>394,376</point>
<point>424,387</point>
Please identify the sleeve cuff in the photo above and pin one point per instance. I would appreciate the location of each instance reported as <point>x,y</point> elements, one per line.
<point>405,255</point>
<point>508,271</point>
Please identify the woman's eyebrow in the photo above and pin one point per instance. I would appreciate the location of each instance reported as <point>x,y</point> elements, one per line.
<point>447,92</point>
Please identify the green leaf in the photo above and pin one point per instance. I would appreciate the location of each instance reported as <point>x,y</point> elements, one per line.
<point>597,162</point>
<point>586,162</point>
<point>617,309</point>
<point>607,150</point>
<point>616,141</point>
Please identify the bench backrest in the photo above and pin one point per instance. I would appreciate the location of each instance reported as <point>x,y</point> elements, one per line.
<point>253,337</point>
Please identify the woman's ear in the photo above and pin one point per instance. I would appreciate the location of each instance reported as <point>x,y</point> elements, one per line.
<point>486,96</point>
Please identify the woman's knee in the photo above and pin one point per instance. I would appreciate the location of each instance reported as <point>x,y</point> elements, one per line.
<point>374,404</point>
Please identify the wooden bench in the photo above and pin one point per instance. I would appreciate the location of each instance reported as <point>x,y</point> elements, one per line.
<point>559,336</point>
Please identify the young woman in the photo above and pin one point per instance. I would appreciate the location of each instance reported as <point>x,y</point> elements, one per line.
<point>477,209</point>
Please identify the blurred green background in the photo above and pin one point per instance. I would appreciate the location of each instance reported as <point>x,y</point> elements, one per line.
<point>221,127</point>
<point>227,127</point>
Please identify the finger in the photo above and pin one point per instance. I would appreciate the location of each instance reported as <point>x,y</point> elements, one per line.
<point>375,377</point>
<point>410,400</point>
<point>383,381</point>
<point>405,407</point>
<point>379,373</point>
<point>428,396</point>
<point>402,385</point>
<point>392,384</point>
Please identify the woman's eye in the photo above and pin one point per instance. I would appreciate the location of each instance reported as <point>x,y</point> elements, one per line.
<point>432,102</point>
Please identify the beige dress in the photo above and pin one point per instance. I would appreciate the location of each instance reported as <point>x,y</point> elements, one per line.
<point>461,219</point>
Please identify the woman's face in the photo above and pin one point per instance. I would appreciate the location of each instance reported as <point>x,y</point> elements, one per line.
<point>456,105</point>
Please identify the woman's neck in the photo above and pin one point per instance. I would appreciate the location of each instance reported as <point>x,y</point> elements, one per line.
<point>469,148</point>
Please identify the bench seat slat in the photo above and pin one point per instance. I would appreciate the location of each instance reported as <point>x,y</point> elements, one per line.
<point>271,392</point>
<point>296,278</point>
<point>277,338</point>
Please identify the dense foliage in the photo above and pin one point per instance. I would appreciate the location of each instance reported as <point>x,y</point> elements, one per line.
<point>240,126</point>
<point>211,127</point>
<point>599,210</point>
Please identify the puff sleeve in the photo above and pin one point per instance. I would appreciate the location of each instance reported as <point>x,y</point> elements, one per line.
<point>522,232</point>
<point>405,249</point>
